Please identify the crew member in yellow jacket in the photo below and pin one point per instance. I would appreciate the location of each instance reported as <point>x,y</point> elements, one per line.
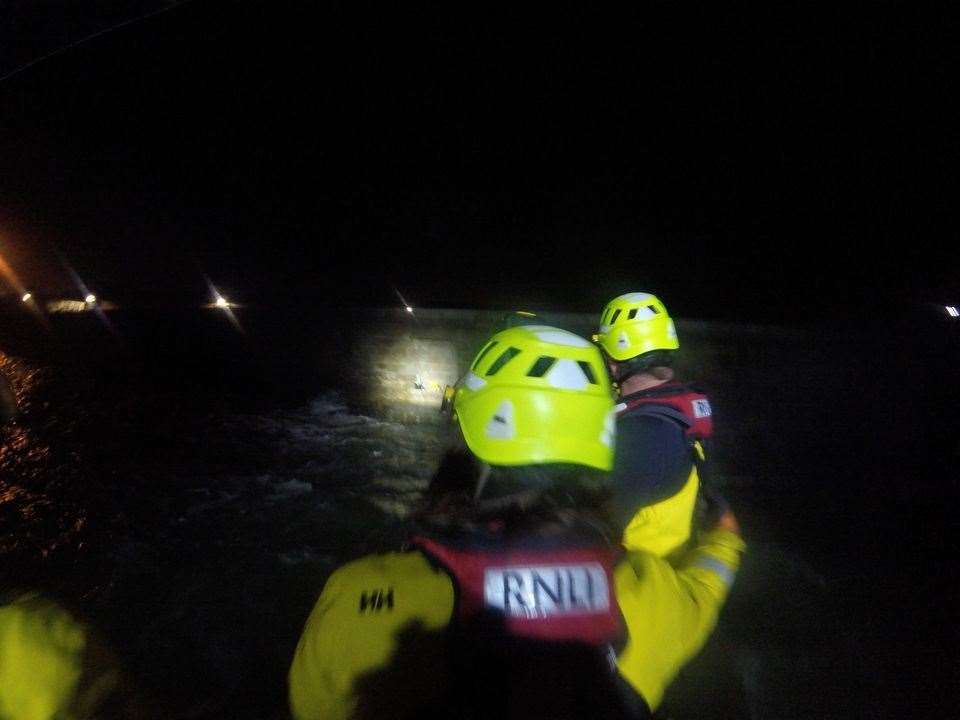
<point>513,598</point>
<point>664,427</point>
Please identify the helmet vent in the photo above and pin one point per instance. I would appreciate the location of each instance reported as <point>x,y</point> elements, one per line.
<point>632,314</point>
<point>653,309</point>
<point>616,314</point>
<point>541,366</point>
<point>483,353</point>
<point>645,312</point>
<point>509,354</point>
<point>588,371</point>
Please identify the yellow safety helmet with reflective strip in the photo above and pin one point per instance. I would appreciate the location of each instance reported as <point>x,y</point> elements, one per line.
<point>537,394</point>
<point>634,324</point>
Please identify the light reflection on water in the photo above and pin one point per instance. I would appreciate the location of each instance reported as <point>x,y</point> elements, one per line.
<point>136,456</point>
<point>22,461</point>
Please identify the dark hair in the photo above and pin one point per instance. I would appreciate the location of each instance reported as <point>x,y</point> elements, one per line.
<point>465,487</point>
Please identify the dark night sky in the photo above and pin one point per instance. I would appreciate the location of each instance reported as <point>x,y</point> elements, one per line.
<point>759,161</point>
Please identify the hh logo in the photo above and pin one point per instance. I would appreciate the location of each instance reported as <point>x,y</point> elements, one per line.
<point>547,590</point>
<point>376,600</point>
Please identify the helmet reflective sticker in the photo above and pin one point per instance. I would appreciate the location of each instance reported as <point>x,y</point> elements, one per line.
<point>501,425</point>
<point>606,435</point>
<point>637,297</point>
<point>560,337</point>
<point>567,375</point>
<point>474,382</point>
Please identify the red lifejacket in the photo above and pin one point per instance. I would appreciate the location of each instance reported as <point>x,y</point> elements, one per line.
<point>681,403</point>
<point>557,594</point>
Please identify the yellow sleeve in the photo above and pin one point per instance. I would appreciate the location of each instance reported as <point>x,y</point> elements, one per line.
<point>354,628</point>
<point>670,611</point>
<point>41,653</point>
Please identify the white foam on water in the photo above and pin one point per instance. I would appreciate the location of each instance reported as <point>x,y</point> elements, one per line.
<point>327,404</point>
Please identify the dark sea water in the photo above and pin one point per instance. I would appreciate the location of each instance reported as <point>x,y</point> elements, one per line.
<point>191,486</point>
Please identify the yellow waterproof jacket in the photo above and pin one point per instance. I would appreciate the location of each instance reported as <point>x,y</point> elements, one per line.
<point>353,636</point>
<point>42,669</point>
<point>664,528</point>
<point>671,609</point>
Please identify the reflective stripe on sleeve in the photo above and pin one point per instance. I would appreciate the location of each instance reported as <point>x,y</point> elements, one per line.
<point>720,568</point>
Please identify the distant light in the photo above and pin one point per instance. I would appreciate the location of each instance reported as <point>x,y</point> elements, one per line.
<point>952,311</point>
<point>409,309</point>
<point>90,299</point>
<point>221,302</point>
<point>26,297</point>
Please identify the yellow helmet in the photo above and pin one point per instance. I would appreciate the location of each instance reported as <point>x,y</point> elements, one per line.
<point>634,324</point>
<point>537,394</point>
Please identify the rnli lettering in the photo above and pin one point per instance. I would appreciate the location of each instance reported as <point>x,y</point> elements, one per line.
<point>547,590</point>
<point>701,409</point>
<point>376,600</point>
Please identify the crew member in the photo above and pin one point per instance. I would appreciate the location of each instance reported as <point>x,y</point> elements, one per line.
<point>663,426</point>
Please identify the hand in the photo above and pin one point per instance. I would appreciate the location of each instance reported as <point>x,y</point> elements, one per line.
<point>728,521</point>
<point>715,512</point>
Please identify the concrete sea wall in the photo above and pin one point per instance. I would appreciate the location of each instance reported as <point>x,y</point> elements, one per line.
<point>408,358</point>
